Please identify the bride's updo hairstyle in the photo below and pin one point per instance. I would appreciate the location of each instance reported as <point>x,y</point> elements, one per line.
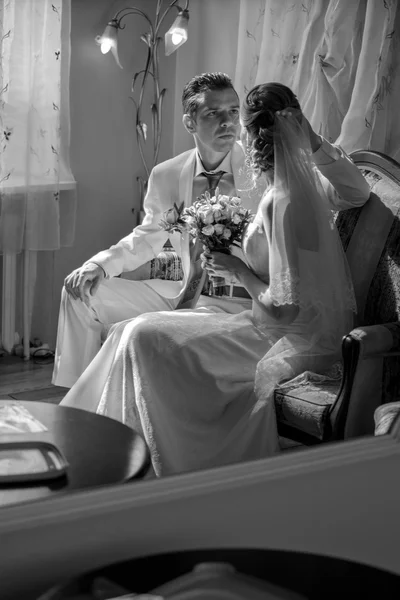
<point>258,116</point>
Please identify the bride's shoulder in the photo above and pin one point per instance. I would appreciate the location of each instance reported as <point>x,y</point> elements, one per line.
<point>270,197</point>
<point>265,208</point>
<point>267,197</point>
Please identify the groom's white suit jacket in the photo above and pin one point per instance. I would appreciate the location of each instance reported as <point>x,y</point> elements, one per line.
<point>172,182</point>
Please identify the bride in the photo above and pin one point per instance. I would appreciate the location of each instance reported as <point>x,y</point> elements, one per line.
<point>199,384</point>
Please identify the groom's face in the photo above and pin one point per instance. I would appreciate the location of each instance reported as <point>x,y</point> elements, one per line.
<point>216,122</point>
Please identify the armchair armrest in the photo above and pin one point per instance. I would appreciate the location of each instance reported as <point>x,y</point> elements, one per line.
<point>375,340</point>
<point>364,350</point>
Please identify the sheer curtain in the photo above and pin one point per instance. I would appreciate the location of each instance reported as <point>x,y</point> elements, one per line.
<point>341,58</point>
<point>37,189</point>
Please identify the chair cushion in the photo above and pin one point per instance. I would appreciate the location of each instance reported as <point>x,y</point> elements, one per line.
<point>167,266</point>
<point>305,402</point>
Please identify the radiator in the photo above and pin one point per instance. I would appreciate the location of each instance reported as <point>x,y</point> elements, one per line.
<point>9,299</point>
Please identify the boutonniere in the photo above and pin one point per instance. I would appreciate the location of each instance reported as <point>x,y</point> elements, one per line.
<point>172,219</point>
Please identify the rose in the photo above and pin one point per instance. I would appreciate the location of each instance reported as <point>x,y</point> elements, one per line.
<point>209,230</point>
<point>218,214</point>
<point>229,212</point>
<point>207,216</point>
<point>219,228</point>
<point>236,219</point>
<point>191,221</point>
<point>227,233</point>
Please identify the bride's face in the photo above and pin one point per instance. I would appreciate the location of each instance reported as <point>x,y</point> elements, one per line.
<point>216,123</point>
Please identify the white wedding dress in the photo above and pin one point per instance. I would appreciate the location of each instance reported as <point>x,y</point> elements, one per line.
<point>199,384</point>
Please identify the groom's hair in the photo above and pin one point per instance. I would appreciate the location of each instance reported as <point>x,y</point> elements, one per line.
<point>199,84</point>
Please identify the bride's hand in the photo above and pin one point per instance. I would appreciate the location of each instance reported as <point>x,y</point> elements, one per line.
<point>221,264</point>
<point>315,139</point>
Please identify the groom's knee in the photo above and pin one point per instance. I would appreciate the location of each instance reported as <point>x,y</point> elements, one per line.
<point>74,308</point>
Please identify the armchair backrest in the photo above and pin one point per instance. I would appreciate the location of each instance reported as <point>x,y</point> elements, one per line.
<point>371,239</point>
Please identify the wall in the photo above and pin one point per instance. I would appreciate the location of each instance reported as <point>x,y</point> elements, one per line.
<point>104,156</point>
<point>215,51</point>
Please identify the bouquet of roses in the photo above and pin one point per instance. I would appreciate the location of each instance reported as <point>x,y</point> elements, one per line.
<point>217,222</point>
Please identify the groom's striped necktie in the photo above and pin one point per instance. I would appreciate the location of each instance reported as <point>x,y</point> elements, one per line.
<point>213,180</point>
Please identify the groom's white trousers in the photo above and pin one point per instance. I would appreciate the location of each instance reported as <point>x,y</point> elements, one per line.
<point>82,328</point>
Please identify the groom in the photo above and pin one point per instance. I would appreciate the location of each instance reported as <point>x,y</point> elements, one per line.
<point>94,297</point>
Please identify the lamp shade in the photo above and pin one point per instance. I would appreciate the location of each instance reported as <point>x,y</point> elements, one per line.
<point>109,40</point>
<point>177,34</point>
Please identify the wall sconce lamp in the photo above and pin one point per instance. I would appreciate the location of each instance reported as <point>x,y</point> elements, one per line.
<point>177,34</point>
<point>175,37</point>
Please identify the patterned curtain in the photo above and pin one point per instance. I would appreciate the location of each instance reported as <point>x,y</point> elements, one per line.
<point>341,57</point>
<point>37,189</point>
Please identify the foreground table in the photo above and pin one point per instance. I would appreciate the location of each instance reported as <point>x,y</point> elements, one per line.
<point>100,451</point>
<point>297,575</point>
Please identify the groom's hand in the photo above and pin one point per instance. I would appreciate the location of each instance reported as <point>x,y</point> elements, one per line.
<point>84,282</point>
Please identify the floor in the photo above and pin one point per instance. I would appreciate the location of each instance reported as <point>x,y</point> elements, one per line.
<point>28,380</point>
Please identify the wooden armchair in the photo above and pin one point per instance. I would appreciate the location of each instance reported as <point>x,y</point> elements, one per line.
<point>368,375</point>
